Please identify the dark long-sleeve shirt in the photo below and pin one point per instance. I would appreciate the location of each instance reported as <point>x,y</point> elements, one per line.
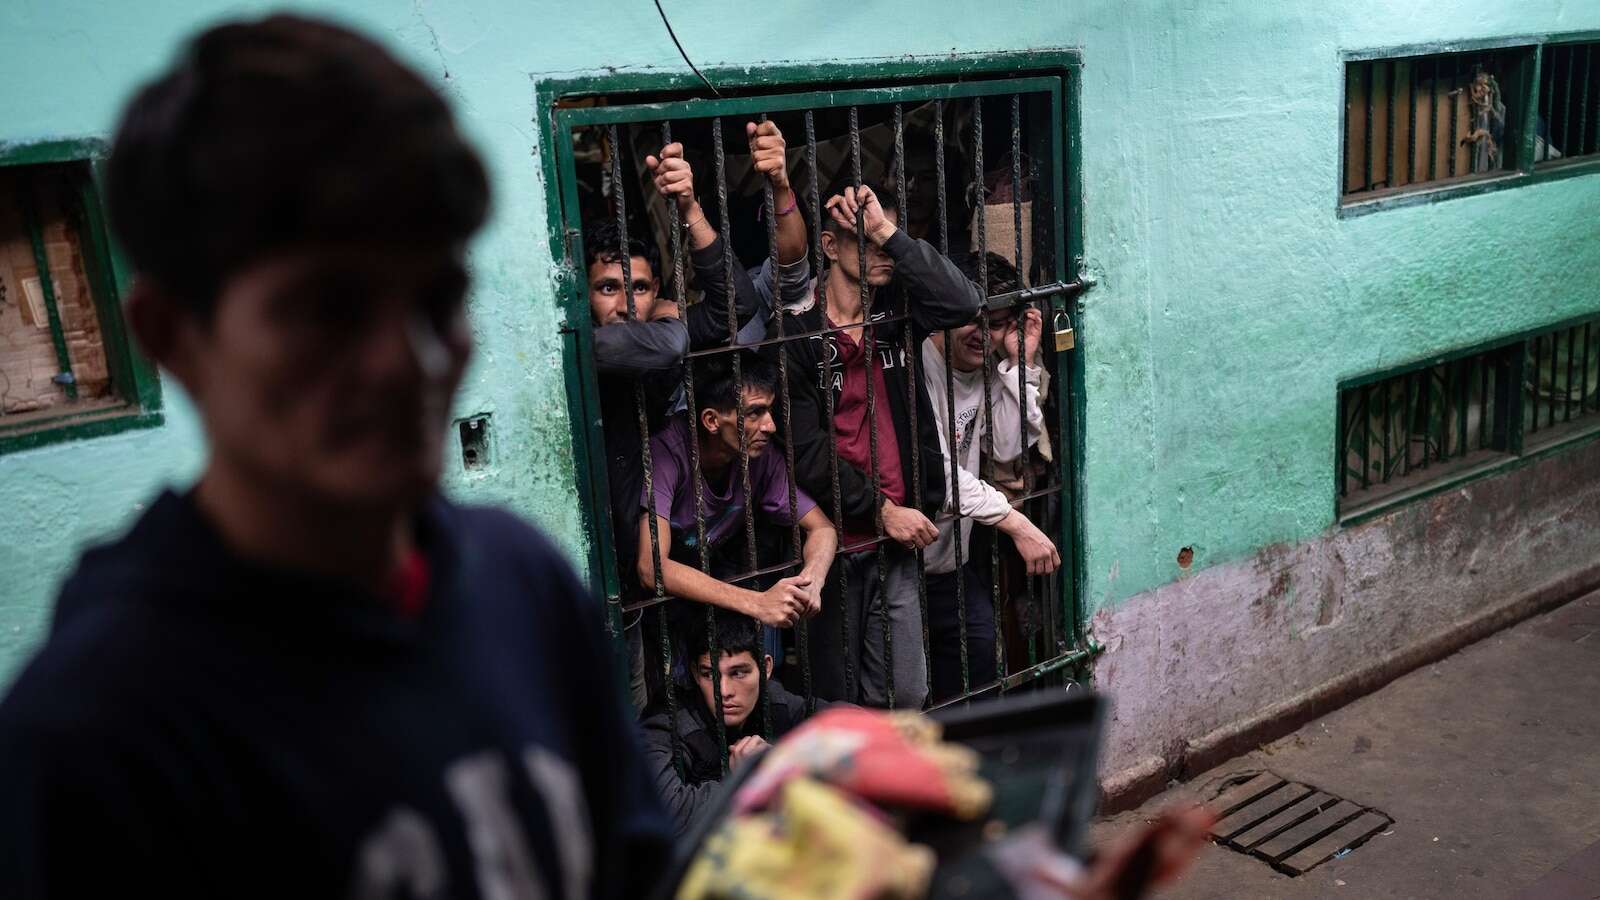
<point>651,354</point>
<point>199,725</point>
<point>693,733</point>
<point>933,293</point>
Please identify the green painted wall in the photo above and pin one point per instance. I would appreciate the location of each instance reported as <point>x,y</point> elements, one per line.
<point>1231,298</point>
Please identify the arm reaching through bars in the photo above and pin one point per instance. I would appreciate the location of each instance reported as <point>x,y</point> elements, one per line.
<point>707,321</point>
<point>779,606</point>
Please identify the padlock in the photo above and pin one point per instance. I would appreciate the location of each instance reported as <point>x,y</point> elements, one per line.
<point>1065,339</point>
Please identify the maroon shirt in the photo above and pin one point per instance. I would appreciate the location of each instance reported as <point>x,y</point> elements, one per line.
<point>850,425</point>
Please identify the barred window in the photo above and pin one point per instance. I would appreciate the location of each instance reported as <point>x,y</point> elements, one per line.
<point>66,368</point>
<point>978,173</point>
<point>1434,120</point>
<point>1408,432</point>
<point>1569,114</point>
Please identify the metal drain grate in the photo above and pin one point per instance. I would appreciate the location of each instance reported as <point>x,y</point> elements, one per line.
<point>1291,826</point>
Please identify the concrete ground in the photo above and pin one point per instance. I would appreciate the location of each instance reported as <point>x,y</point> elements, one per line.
<point>1488,761</point>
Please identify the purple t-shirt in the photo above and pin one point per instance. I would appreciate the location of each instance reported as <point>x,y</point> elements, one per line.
<point>723,503</point>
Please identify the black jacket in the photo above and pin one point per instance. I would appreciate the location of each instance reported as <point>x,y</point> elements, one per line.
<point>200,725</point>
<point>693,795</point>
<point>651,354</point>
<point>937,296</point>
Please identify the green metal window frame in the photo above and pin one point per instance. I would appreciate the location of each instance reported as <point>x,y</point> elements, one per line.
<point>133,376</point>
<point>776,88</point>
<point>1514,455</point>
<point>1527,172</point>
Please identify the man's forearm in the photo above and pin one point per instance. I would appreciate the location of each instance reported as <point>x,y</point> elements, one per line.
<point>701,234</point>
<point>791,227</point>
<point>692,584</point>
<point>817,552</point>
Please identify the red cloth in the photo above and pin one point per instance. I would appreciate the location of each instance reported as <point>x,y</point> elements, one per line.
<point>408,587</point>
<point>850,418</point>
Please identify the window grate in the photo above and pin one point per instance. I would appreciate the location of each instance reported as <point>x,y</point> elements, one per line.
<point>1569,92</point>
<point>927,142</point>
<point>1406,432</point>
<point>1562,388</point>
<point>1433,120</point>
<point>66,366</point>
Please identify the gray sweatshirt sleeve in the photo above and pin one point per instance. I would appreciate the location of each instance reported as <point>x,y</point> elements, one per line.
<point>640,348</point>
<point>684,802</point>
<point>794,282</point>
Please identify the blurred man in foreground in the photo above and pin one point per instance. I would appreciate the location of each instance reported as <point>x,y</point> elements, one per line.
<point>309,673</point>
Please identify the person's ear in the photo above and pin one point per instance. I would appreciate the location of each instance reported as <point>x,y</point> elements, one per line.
<point>830,245</point>
<point>164,327</point>
<point>710,419</point>
<point>768,664</point>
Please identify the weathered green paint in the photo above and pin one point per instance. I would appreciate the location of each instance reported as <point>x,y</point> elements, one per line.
<point>1231,300</point>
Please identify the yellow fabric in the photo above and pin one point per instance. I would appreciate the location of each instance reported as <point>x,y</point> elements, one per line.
<point>815,842</point>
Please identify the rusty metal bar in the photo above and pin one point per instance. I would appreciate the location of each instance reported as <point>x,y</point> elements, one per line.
<point>913,364</point>
<point>871,351</point>
<point>827,395</point>
<point>802,627</point>
<point>950,402</point>
<point>988,397</point>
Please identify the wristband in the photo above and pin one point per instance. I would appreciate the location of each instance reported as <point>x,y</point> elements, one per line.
<point>794,204</point>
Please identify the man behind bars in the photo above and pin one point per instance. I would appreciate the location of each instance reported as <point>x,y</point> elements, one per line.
<point>724,451</point>
<point>648,349</point>
<point>956,593</point>
<point>687,735</point>
<point>852,657</point>
<point>310,674</point>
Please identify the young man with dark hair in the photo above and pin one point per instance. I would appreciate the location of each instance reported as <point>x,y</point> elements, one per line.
<point>690,736</point>
<point>978,500</point>
<point>310,673</point>
<point>715,431</point>
<point>903,276</point>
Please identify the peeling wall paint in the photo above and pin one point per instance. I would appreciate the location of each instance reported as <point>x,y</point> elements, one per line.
<point>1230,299</point>
<point>1211,651</point>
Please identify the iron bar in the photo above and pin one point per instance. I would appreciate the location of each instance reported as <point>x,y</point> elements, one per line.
<point>912,359</point>
<point>32,223</point>
<point>1450,95</point>
<point>1583,385</point>
<point>1566,386</point>
<point>950,405</point>
<point>696,477</point>
<point>1583,101</point>
<point>1344,443</point>
<point>1433,123</point>
<point>1538,342</point>
<point>1366,159</point>
<point>1550,402</point>
<point>1366,436</point>
<point>1483,402</point>
<point>828,404</point>
<point>1411,122</point>
<point>988,399</point>
<point>1384,471</point>
<point>1566,105</point>
<point>1023,461</point>
<point>871,351</point>
<point>1388,130</point>
<point>625,254</point>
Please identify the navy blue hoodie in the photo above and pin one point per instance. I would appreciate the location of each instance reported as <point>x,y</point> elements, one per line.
<point>200,725</point>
